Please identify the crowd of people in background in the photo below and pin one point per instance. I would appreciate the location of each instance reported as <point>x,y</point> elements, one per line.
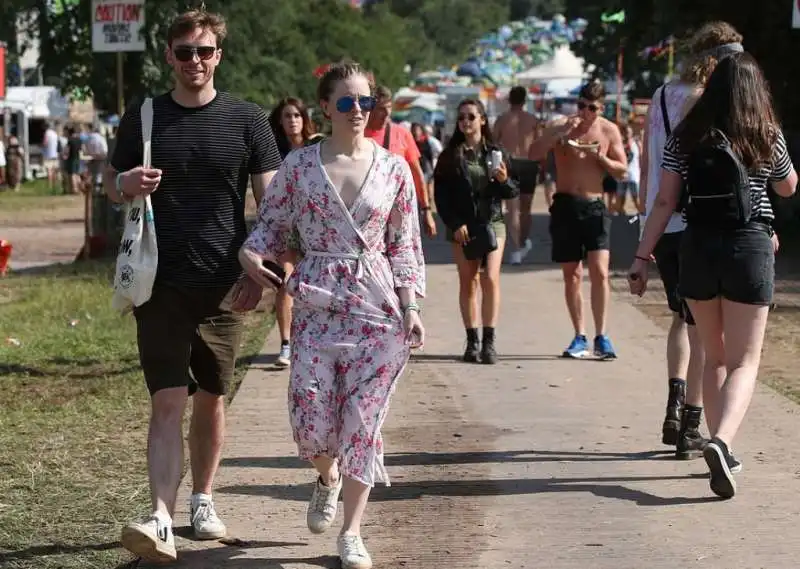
<point>338,236</point>
<point>72,156</point>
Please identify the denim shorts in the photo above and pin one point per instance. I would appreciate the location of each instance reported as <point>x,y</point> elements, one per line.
<point>735,264</point>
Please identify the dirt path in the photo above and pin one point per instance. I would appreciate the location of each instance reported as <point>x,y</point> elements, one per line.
<point>534,462</point>
<point>40,236</point>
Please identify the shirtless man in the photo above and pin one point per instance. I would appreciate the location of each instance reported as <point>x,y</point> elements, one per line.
<point>515,130</point>
<point>586,146</point>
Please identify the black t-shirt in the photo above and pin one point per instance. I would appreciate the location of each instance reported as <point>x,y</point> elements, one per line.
<point>206,155</point>
<point>74,146</point>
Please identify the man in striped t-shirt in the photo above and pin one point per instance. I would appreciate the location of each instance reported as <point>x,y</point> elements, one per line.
<point>205,145</point>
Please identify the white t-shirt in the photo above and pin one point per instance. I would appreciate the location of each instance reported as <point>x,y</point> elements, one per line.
<point>50,150</point>
<point>96,145</point>
<point>677,94</point>
<point>2,155</point>
<point>634,168</point>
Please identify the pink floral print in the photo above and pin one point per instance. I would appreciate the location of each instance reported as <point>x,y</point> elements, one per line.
<point>348,346</point>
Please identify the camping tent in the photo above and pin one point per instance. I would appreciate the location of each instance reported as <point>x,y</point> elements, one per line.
<point>565,66</point>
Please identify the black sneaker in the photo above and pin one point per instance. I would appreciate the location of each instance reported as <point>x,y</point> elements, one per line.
<point>718,459</point>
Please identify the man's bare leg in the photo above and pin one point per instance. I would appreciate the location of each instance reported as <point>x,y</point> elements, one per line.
<point>573,275</point>
<point>525,220</point>
<point>206,437</point>
<point>165,448</point>
<point>601,290</point>
<point>513,221</point>
<point>601,293</point>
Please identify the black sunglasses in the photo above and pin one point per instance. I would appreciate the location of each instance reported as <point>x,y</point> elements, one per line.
<point>470,117</point>
<point>591,106</point>
<point>346,104</point>
<point>186,53</point>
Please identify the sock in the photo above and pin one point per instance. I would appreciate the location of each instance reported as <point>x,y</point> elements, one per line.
<point>284,342</point>
<point>472,335</point>
<point>676,381</point>
<point>200,497</point>
<point>488,333</point>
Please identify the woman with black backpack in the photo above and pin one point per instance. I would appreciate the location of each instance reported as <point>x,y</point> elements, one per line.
<point>717,165</point>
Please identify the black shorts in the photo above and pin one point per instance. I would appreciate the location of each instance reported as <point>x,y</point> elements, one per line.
<point>188,337</point>
<point>667,254</point>
<point>735,264</point>
<point>527,172</point>
<point>610,185</point>
<point>577,226</point>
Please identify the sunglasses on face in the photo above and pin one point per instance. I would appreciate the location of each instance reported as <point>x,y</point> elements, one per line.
<point>591,106</point>
<point>347,104</point>
<point>186,53</point>
<point>470,117</point>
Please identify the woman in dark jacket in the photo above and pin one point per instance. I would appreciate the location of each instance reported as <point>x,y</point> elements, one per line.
<point>469,194</point>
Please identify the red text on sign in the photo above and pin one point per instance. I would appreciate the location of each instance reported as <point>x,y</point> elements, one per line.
<point>117,12</point>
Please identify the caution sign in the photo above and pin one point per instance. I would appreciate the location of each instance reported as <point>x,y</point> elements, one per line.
<point>117,25</point>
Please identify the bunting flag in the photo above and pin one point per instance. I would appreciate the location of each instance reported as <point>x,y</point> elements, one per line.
<point>615,18</point>
<point>57,7</point>
<point>321,70</point>
<point>658,50</point>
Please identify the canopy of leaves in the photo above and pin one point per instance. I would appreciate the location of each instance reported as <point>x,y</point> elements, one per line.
<point>272,48</point>
<point>766,27</point>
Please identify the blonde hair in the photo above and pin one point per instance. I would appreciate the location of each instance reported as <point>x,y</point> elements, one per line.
<point>700,64</point>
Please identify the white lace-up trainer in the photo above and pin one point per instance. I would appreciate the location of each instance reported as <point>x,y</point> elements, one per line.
<point>352,552</point>
<point>323,505</point>
<point>151,539</point>
<point>204,519</point>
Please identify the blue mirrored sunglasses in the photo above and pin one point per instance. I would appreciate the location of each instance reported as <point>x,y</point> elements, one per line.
<point>346,104</point>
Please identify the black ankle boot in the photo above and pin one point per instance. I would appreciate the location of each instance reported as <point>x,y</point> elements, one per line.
<point>473,349</point>
<point>690,442</point>
<point>488,353</point>
<point>672,422</point>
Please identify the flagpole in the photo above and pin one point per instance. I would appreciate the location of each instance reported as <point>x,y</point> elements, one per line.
<point>671,61</point>
<point>619,83</point>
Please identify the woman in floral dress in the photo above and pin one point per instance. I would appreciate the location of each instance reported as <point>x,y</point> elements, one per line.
<point>355,318</point>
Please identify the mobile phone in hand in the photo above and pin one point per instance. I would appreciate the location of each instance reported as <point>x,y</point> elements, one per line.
<point>277,270</point>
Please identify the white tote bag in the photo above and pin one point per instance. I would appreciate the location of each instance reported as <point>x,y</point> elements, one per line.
<point>137,259</point>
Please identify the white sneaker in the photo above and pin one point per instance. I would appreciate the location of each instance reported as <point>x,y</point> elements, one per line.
<point>515,257</point>
<point>204,519</point>
<point>323,505</point>
<point>284,356</point>
<point>526,248</point>
<point>352,552</point>
<point>150,539</point>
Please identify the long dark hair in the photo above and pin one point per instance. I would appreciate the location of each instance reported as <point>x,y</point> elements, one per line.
<point>450,158</point>
<point>737,101</point>
<point>284,146</point>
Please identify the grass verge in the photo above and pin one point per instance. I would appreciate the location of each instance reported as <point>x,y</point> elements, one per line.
<point>73,418</point>
<point>780,350</point>
<point>35,197</point>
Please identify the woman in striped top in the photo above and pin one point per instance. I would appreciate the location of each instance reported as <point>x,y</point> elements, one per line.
<point>726,274</point>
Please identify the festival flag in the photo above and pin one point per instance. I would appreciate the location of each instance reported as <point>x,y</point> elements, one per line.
<point>615,18</point>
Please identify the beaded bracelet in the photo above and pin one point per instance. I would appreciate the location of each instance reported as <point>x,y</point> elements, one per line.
<point>412,307</point>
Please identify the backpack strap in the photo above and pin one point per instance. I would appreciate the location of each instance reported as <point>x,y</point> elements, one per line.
<point>387,138</point>
<point>664,113</point>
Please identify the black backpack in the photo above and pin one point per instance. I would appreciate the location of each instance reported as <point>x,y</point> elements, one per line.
<point>717,184</point>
